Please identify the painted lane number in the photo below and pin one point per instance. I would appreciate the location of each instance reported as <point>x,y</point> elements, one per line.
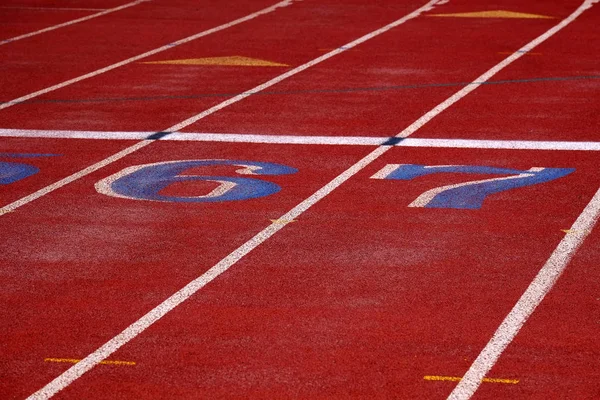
<point>145,182</point>
<point>468,195</point>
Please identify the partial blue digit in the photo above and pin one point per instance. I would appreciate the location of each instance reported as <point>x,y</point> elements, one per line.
<point>468,195</point>
<point>11,172</point>
<point>145,182</point>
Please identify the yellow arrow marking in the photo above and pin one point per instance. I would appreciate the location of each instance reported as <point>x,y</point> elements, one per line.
<point>282,221</point>
<point>75,361</point>
<point>457,379</point>
<point>492,14</point>
<point>236,61</point>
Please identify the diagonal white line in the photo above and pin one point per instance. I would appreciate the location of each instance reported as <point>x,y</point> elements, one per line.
<point>182,295</point>
<point>238,21</point>
<point>533,296</point>
<point>72,22</point>
<point>42,192</point>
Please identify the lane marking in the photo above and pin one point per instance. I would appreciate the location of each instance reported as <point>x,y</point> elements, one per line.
<point>313,140</point>
<point>531,298</point>
<point>72,22</point>
<point>458,379</point>
<point>237,61</point>
<point>75,361</point>
<point>283,3</point>
<point>52,8</point>
<point>136,328</point>
<point>493,14</point>
<point>529,54</point>
<point>189,121</point>
<point>282,221</point>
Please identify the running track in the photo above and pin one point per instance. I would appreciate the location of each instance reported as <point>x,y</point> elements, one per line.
<point>338,285</point>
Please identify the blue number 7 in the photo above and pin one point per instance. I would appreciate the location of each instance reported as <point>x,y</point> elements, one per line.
<point>468,195</point>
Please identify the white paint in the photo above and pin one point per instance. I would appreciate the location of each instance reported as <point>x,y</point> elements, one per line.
<point>427,196</point>
<point>52,8</point>
<point>188,39</point>
<point>533,296</point>
<point>71,178</point>
<point>313,140</point>
<point>72,22</point>
<point>135,147</point>
<point>384,172</point>
<point>89,362</point>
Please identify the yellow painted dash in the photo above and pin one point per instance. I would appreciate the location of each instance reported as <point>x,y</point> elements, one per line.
<point>232,61</point>
<point>458,378</point>
<point>74,361</point>
<point>492,14</point>
<point>282,221</point>
<point>567,230</point>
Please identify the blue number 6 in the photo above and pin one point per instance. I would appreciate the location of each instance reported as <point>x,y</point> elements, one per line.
<point>145,182</point>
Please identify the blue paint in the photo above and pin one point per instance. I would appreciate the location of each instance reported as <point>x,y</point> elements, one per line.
<point>471,196</point>
<point>26,155</point>
<point>147,182</point>
<point>11,172</point>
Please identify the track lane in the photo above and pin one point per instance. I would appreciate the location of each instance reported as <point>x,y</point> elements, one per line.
<point>362,296</point>
<point>394,78</point>
<point>556,352</point>
<point>77,50</point>
<point>99,262</point>
<point>557,105</point>
<point>176,91</point>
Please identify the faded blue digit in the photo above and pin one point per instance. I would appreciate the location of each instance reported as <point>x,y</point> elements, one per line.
<point>145,182</point>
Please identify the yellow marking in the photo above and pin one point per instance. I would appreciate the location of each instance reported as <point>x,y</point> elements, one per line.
<point>527,53</point>
<point>457,379</point>
<point>282,221</point>
<point>237,61</point>
<point>567,230</point>
<point>493,14</point>
<point>74,361</point>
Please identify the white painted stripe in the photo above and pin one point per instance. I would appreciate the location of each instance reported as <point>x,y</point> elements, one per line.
<point>533,296</point>
<point>51,8</point>
<point>72,22</point>
<point>314,140</point>
<point>12,206</point>
<point>384,172</point>
<point>71,178</point>
<point>182,295</point>
<point>188,39</point>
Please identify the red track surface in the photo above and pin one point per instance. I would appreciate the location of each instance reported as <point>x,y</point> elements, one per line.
<point>362,296</point>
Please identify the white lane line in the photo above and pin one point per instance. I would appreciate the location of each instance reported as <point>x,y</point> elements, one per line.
<point>42,192</point>
<point>533,296</point>
<point>188,39</point>
<point>103,352</point>
<point>314,140</point>
<point>51,8</point>
<point>72,22</point>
